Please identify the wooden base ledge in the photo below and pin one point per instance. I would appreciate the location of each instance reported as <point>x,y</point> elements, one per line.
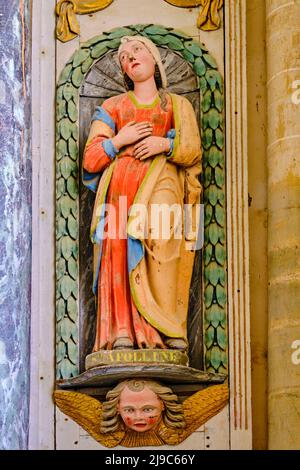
<point>106,376</point>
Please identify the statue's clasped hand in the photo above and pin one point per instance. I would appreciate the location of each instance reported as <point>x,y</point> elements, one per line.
<point>151,146</point>
<point>132,133</point>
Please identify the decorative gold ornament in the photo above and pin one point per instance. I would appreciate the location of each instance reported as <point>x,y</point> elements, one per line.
<point>68,26</point>
<point>197,410</point>
<point>184,3</point>
<point>209,18</point>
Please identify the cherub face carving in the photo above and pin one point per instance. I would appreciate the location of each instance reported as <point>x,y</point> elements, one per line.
<point>140,410</point>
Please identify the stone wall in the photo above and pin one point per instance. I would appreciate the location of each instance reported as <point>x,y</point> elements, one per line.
<point>283,74</point>
<point>15,222</point>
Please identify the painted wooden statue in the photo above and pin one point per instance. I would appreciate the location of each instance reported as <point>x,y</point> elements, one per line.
<point>143,160</point>
<point>143,151</point>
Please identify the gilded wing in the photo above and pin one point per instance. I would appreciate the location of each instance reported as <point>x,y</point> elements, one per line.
<point>86,411</point>
<point>197,409</point>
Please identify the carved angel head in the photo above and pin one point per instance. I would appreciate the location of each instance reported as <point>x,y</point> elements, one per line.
<point>173,424</point>
<point>140,405</point>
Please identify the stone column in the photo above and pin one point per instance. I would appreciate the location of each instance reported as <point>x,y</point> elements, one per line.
<point>283,52</point>
<point>15,222</point>
<point>258,216</point>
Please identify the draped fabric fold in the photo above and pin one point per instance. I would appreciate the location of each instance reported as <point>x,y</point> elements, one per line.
<point>158,265</point>
<point>167,264</point>
<point>209,18</point>
<point>67,25</point>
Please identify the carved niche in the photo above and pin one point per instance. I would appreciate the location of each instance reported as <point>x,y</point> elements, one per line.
<point>90,76</point>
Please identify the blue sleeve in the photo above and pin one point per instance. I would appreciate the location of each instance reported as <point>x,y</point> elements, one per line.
<point>101,115</point>
<point>171,134</point>
<point>109,148</point>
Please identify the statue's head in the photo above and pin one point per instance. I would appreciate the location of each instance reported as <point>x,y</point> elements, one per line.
<point>141,405</point>
<point>140,59</point>
<point>140,408</point>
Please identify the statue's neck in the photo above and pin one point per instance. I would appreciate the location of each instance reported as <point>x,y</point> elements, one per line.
<point>145,91</point>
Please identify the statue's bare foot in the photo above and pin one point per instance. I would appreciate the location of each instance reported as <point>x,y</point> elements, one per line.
<point>176,343</point>
<point>123,343</point>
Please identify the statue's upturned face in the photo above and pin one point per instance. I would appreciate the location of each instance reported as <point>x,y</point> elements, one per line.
<point>136,61</point>
<point>140,411</point>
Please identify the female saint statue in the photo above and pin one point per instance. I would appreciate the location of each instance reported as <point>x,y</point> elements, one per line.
<point>143,152</point>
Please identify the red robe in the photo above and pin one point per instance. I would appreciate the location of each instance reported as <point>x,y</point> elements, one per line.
<point>117,316</point>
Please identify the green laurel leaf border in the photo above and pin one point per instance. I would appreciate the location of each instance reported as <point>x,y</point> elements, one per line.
<point>67,180</point>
